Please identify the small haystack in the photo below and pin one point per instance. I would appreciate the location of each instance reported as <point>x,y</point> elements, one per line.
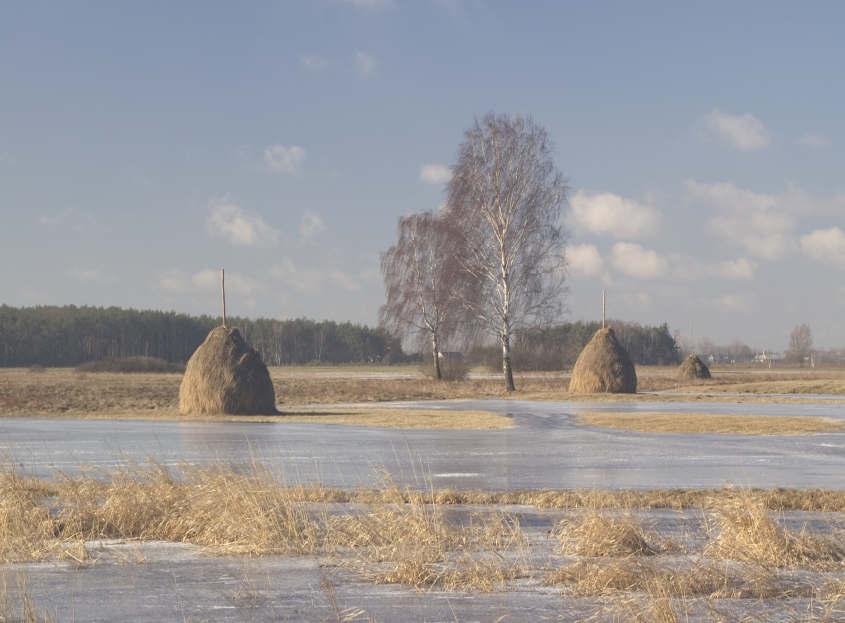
<point>226,375</point>
<point>603,367</point>
<point>693,369</point>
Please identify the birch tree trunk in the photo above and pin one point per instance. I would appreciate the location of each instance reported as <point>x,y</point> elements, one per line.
<point>435,354</point>
<point>506,361</point>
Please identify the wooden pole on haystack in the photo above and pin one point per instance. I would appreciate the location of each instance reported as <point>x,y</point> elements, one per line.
<point>604,309</point>
<point>223,293</point>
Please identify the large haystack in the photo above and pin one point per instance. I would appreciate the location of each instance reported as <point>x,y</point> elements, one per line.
<point>226,375</point>
<point>603,367</point>
<point>693,369</point>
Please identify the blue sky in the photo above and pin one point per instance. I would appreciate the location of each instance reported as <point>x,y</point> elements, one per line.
<point>143,145</point>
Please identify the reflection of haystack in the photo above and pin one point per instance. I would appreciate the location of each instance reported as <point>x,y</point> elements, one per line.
<point>226,375</point>
<point>603,367</point>
<point>692,369</point>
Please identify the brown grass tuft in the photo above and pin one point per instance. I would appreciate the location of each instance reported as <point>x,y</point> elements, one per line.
<point>601,534</point>
<point>746,532</point>
<point>675,579</point>
<point>711,423</point>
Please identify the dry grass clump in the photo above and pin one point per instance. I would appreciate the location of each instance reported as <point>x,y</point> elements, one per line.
<point>693,369</point>
<point>600,534</point>
<point>746,532</point>
<point>411,543</point>
<point>675,579</point>
<point>226,375</point>
<point>780,499</point>
<point>214,507</point>
<point>26,528</point>
<point>711,423</point>
<point>383,417</point>
<point>603,367</point>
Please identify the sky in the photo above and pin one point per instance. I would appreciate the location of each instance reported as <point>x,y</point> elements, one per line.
<point>145,145</point>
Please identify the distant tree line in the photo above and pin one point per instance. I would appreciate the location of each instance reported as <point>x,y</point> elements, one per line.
<point>71,335</point>
<point>557,346</point>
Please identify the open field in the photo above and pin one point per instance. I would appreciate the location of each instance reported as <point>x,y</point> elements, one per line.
<point>710,423</point>
<point>729,551</point>
<point>64,392</point>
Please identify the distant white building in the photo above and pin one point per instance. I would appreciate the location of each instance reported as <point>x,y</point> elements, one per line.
<point>767,357</point>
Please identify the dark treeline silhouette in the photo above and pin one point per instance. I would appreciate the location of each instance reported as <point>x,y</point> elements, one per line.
<point>558,346</point>
<point>70,335</point>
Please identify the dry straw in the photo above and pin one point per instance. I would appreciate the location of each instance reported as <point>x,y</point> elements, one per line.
<point>226,375</point>
<point>603,367</point>
<point>693,369</point>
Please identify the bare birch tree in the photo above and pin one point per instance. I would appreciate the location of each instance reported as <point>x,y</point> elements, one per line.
<point>422,283</point>
<point>505,201</point>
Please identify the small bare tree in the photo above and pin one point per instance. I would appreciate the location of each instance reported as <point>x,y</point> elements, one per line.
<point>505,201</point>
<point>800,343</point>
<point>422,283</point>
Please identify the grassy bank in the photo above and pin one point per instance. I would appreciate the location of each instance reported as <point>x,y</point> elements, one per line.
<point>64,392</point>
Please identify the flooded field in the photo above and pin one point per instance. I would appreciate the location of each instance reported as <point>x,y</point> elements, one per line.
<point>551,518</point>
<point>546,448</point>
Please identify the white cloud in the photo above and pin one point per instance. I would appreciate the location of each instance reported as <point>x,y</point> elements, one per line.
<point>435,173</point>
<point>230,222</point>
<point>825,245</point>
<point>309,279</point>
<point>635,261</point>
<point>365,64</point>
<point>740,268</point>
<point>744,132</point>
<point>755,221</point>
<point>284,158</point>
<point>311,225</point>
<point>585,260</point>
<point>607,213</point>
<point>814,141</point>
<point>313,62</point>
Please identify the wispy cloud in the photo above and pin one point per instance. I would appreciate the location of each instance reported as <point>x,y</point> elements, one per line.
<point>370,5</point>
<point>284,158</point>
<point>311,225</point>
<point>313,62</point>
<point>734,303</point>
<point>311,279</point>
<point>814,141</point>
<point>207,280</point>
<point>435,173</point>
<point>69,218</point>
<point>743,132</point>
<point>365,64</point>
<point>95,275</point>
<point>756,221</point>
<point>227,220</point>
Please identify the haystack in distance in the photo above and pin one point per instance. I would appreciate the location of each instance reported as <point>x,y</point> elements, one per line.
<point>603,367</point>
<point>226,375</point>
<point>693,369</point>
